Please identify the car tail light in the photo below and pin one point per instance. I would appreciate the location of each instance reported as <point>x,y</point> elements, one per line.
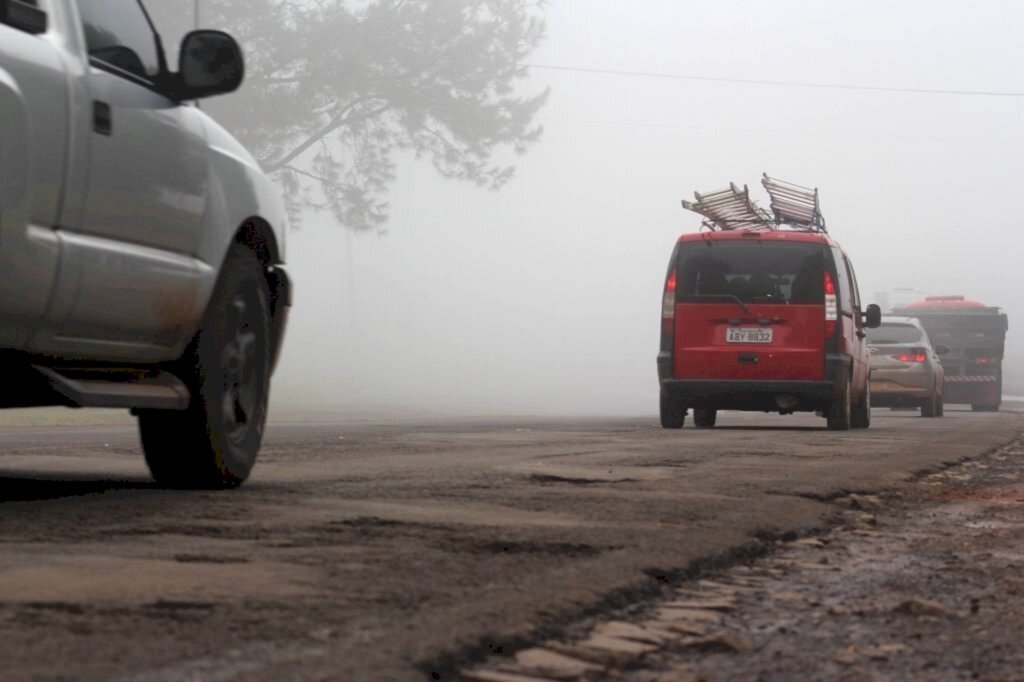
<point>831,306</point>
<point>668,304</point>
<point>915,355</point>
<point>987,361</point>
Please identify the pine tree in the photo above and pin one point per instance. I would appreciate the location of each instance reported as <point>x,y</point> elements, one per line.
<point>336,88</point>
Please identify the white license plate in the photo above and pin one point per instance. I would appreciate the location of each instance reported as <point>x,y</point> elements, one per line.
<point>749,335</point>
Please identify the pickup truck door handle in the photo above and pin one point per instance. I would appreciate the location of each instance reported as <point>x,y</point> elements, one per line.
<point>102,118</point>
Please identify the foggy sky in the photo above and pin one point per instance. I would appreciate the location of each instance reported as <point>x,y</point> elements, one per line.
<point>544,298</point>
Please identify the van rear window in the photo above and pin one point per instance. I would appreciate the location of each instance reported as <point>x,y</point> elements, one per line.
<point>753,272</point>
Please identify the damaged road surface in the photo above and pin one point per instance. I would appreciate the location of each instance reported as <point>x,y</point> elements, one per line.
<point>495,550</point>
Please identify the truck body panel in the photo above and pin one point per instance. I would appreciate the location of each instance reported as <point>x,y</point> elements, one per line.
<point>34,141</point>
<point>976,336</point>
<point>111,241</point>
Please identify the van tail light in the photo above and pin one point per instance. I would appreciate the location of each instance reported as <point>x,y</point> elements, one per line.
<point>915,355</point>
<point>668,305</point>
<point>831,306</point>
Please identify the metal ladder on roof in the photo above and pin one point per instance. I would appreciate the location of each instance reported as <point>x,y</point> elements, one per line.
<point>794,204</point>
<point>733,209</point>
<point>730,209</point>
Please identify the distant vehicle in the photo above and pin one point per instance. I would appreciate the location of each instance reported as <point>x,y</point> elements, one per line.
<point>760,318</point>
<point>142,245</point>
<point>976,336</point>
<point>897,298</point>
<point>905,367</point>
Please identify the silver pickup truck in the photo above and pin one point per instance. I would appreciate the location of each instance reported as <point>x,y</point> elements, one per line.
<point>141,246</point>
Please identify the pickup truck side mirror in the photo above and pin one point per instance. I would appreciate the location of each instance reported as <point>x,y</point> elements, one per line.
<point>209,63</point>
<point>873,317</point>
<point>942,349</point>
<point>23,15</point>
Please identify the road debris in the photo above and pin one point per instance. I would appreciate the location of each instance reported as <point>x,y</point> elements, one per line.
<point>883,612</point>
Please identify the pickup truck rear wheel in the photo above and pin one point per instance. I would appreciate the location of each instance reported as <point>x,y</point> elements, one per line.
<point>213,444</point>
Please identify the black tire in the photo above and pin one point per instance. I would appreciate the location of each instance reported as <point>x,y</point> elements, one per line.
<point>940,406</point>
<point>860,418</point>
<point>839,411</point>
<point>705,418</point>
<point>930,407</point>
<point>214,443</point>
<point>673,414</point>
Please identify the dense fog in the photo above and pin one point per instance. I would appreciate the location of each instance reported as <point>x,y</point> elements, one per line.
<point>544,297</point>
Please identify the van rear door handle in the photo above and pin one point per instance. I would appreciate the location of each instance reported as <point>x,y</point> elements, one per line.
<point>102,118</point>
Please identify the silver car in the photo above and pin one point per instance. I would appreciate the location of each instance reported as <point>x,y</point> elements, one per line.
<point>143,248</point>
<point>905,367</point>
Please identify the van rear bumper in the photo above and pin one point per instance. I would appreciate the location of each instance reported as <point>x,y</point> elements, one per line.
<point>759,395</point>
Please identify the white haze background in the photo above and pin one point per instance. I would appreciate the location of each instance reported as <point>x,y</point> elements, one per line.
<point>544,298</point>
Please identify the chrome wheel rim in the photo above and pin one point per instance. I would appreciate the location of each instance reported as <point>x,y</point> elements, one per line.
<point>240,364</point>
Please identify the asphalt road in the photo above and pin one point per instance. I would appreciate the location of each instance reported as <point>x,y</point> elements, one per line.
<point>390,551</point>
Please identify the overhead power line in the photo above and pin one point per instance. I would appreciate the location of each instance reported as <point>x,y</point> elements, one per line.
<point>788,84</point>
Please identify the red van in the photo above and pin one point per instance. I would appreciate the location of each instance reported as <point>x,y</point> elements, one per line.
<point>762,313</point>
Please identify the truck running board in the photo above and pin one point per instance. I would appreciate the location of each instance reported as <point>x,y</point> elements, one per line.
<point>138,389</point>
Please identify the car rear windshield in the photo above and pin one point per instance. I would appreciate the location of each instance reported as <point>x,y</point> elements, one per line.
<point>753,272</point>
<point>894,334</point>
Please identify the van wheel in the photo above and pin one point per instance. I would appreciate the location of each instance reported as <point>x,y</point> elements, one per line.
<point>861,416</point>
<point>213,443</point>
<point>940,408</point>
<point>839,410</point>
<point>705,419</point>
<point>930,408</point>
<point>673,414</point>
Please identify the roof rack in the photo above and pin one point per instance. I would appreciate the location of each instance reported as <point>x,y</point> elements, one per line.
<point>730,209</point>
<point>733,209</point>
<point>794,205</point>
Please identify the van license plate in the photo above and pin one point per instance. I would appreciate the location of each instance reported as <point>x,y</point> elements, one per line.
<point>749,335</point>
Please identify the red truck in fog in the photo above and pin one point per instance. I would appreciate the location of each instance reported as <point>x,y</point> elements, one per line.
<point>975,334</point>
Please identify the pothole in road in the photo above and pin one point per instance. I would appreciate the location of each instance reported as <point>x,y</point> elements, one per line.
<point>907,586</point>
<point>548,478</point>
<point>471,545</point>
<point>453,539</point>
<point>207,559</point>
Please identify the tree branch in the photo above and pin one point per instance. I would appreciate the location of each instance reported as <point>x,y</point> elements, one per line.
<point>335,123</point>
<point>312,176</point>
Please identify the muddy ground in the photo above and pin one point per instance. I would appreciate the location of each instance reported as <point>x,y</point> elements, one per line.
<point>924,582</point>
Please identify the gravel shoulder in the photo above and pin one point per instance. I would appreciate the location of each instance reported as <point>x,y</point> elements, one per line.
<point>923,582</point>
